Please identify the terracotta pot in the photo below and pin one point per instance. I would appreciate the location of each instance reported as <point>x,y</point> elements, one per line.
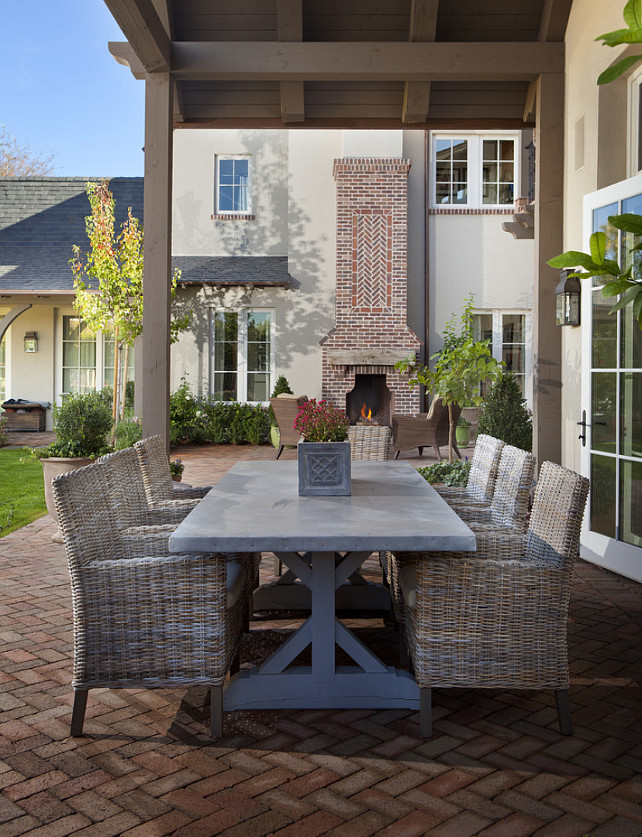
<point>52,467</point>
<point>177,477</point>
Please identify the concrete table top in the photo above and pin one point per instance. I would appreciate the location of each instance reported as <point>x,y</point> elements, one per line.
<point>256,507</point>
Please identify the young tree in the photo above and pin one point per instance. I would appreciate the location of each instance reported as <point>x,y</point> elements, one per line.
<point>19,159</point>
<point>109,280</point>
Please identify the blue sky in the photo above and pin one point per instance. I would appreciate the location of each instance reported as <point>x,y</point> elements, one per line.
<point>61,91</point>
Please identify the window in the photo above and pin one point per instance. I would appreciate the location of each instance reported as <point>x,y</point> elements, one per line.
<point>88,357</point>
<point>233,185</point>
<point>509,336</point>
<point>474,171</point>
<point>635,123</point>
<point>242,355</point>
<point>3,369</point>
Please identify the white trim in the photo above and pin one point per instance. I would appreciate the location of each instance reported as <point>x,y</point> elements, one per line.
<point>218,159</point>
<point>498,342</point>
<point>475,167</point>
<point>634,84</point>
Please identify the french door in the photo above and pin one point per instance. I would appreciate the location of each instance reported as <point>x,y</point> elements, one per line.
<point>612,398</point>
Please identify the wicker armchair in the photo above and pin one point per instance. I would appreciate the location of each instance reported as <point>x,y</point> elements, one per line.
<point>157,479</point>
<point>285,408</point>
<point>497,618</point>
<point>482,476</point>
<point>425,430</point>
<point>142,620</point>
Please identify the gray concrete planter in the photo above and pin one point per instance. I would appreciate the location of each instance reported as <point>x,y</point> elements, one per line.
<point>52,467</point>
<point>324,469</point>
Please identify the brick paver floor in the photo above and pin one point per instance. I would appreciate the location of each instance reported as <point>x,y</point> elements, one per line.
<point>496,765</point>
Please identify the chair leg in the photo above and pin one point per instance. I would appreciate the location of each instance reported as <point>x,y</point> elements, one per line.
<point>397,454</point>
<point>563,711</point>
<point>456,449</point>
<point>216,711</point>
<point>425,713</point>
<point>280,451</point>
<point>78,712</point>
<point>235,664</point>
<point>438,452</point>
<point>421,450</point>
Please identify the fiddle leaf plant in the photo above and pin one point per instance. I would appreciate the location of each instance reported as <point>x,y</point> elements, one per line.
<point>631,35</point>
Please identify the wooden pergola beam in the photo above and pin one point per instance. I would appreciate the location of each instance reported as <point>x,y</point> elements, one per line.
<point>144,30</point>
<point>290,28</point>
<point>358,61</point>
<point>422,28</point>
<point>554,20</point>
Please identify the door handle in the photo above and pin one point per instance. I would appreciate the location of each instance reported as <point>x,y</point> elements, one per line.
<point>583,424</point>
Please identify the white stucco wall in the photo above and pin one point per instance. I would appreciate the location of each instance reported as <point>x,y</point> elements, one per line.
<point>585,60</point>
<point>414,148</point>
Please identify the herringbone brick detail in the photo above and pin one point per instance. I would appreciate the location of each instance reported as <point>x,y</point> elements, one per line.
<point>372,257</point>
<point>496,765</point>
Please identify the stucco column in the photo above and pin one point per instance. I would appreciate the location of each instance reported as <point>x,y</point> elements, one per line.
<point>157,254</point>
<point>549,189</point>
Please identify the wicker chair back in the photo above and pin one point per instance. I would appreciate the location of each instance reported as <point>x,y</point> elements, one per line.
<point>126,488</point>
<point>154,466</point>
<point>511,499</point>
<point>556,519</point>
<point>483,468</point>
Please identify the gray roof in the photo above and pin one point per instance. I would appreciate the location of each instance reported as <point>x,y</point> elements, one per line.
<point>234,270</point>
<point>42,217</point>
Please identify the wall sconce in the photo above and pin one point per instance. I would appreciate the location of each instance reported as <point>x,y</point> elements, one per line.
<point>31,342</point>
<point>567,300</point>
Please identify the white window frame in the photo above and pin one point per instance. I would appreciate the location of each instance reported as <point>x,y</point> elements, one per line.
<point>241,368</point>
<point>217,183</point>
<point>475,167</point>
<point>498,342</point>
<point>100,354</point>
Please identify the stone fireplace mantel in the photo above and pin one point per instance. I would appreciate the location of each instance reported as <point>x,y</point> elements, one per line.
<point>356,357</point>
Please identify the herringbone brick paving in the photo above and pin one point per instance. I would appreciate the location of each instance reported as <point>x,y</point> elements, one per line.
<point>496,765</point>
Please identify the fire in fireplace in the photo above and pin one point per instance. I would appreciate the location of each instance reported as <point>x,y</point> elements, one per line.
<point>370,400</point>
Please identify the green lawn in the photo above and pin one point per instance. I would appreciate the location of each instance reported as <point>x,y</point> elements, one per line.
<point>22,491</point>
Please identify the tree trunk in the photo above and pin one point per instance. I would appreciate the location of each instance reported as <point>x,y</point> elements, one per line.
<point>451,432</point>
<point>114,400</point>
<point>123,398</point>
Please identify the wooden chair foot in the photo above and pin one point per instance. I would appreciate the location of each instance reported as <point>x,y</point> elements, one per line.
<point>563,711</point>
<point>425,713</point>
<point>280,451</point>
<point>216,711</point>
<point>78,712</point>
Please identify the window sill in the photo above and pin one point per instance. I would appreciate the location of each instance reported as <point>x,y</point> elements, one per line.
<point>232,217</point>
<point>468,210</point>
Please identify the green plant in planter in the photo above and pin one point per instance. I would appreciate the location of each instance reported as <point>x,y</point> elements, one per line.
<point>82,422</point>
<point>448,473</point>
<point>176,467</point>
<point>462,421</point>
<point>504,414</point>
<point>321,422</point>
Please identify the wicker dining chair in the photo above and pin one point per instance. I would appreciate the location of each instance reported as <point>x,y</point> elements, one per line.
<point>157,478</point>
<point>482,475</point>
<point>425,430</point>
<point>497,618</point>
<point>508,511</point>
<point>142,620</point>
<point>285,408</point>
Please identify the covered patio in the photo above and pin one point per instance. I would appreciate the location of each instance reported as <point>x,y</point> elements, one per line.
<point>496,764</point>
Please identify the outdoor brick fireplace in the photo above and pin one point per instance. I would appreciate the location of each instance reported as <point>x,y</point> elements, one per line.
<point>370,334</point>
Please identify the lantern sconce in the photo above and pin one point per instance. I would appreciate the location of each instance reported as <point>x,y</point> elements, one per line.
<point>567,299</point>
<point>31,342</point>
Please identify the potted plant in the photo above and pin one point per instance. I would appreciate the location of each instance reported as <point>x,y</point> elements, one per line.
<point>504,413</point>
<point>82,423</point>
<point>462,432</point>
<point>281,387</point>
<point>324,454</point>
<point>176,469</point>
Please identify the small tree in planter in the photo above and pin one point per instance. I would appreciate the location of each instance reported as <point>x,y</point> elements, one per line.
<point>459,369</point>
<point>504,414</point>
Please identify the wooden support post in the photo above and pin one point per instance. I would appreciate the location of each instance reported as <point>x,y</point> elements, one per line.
<point>549,241</point>
<point>157,253</point>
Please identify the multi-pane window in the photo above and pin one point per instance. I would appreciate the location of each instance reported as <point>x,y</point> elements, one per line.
<point>233,185</point>
<point>241,357</point>
<point>506,333</point>
<point>474,170</point>
<point>78,355</point>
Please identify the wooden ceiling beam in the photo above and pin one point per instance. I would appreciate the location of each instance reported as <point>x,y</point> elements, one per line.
<point>290,28</point>
<point>554,20</point>
<point>144,30</point>
<point>422,28</point>
<point>358,61</point>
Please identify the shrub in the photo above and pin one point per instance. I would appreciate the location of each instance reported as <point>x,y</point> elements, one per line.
<point>448,473</point>
<point>127,432</point>
<point>3,435</point>
<point>82,423</point>
<point>504,414</point>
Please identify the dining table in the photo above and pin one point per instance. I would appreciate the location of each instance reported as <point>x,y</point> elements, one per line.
<point>322,541</point>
